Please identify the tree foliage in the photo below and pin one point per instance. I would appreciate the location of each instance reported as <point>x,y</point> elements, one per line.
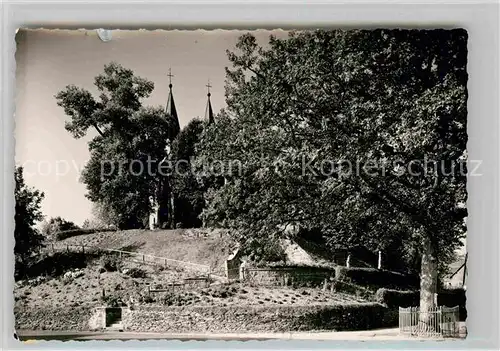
<point>55,225</point>
<point>28,213</point>
<point>309,117</point>
<point>128,141</point>
<point>189,193</point>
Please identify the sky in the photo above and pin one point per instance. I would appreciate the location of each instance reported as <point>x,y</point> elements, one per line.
<point>48,60</point>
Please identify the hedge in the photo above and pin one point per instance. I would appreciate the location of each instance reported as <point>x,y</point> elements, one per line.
<point>395,298</point>
<point>376,278</point>
<point>448,297</point>
<point>348,317</point>
<point>452,298</point>
<point>323,265</point>
<point>75,232</point>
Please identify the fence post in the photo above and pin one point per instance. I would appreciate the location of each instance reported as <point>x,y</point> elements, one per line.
<point>143,259</point>
<point>52,247</point>
<point>83,249</point>
<point>165,262</point>
<point>67,248</point>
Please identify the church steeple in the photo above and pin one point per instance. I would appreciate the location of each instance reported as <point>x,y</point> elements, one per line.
<point>170,109</point>
<point>209,114</point>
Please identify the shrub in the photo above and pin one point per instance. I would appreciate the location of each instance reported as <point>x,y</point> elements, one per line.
<point>172,299</point>
<point>110,262</point>
<point>376,278</point>
<point>61,235</point>
<point>112,300</point>
<point>347,317</point>
<point>446,297</point>
<point>222,292</point>
<point>136,273</point>
<point>56,264</point>
<point>57,224</point>
<point>452,298</point>
<point>394,298</point>
<point>353,289</point>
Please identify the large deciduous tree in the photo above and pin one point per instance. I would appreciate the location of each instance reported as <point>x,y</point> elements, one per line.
<point>361,134</point>
<point>128,141</point>
<point>189,200</point>
<point>28,213</point>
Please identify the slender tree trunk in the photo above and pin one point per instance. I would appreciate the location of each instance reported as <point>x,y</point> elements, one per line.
<point>428,284</point>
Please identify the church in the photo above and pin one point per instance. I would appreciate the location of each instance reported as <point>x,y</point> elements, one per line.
<point>163,202</point>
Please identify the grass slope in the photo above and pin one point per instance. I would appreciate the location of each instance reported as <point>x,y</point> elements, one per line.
<point>209,247</point>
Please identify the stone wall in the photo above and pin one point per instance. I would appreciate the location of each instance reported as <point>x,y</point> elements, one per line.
<point>53,318</point>
<point>285,276</point>
<point>98,319</point>
<point>258,318</point>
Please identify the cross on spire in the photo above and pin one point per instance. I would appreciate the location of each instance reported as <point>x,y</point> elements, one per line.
<point>208,87</point>
<point>170,75</point>
<point>209,115</point>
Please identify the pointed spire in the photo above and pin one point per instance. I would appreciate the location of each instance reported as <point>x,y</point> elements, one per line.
<point>170,109</point>
<point>209,114</point>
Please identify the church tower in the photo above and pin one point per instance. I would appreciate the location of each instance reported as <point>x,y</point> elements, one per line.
<point>171,111</point>
<point>209,114</point>
<point>162,215</point>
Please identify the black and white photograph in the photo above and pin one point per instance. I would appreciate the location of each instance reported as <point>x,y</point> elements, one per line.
<point>241,184</point>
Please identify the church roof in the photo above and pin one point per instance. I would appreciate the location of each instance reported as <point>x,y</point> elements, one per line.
<point>209,114</point>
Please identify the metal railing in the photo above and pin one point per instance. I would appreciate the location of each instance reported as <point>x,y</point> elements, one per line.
<point>136,257</point>
<point>436,322</point>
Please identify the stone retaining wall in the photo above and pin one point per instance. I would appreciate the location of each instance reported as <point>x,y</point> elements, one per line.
<point>53,318</point>
<point>258,318</point>
<point>296,276</point>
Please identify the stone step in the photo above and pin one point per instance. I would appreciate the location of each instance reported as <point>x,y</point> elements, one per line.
<point>115,327</point>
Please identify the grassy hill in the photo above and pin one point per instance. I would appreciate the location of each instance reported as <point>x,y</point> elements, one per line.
<point>202,246</point>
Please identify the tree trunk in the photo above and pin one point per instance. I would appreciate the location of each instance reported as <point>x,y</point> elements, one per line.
<point>428,286</point>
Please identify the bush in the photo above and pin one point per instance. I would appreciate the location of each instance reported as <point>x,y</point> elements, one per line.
<point>324,266</point>
<point>347,317</point>
<point>57,224</point>
<point>376,278</point>
<point>112,301</point>
<point>61,235</point>
<point>446,297</point>
<point>353,289</point>
<point>452,298</point>
<point>136,273</point>
<point>395,298</point>
<point>54,265</point>
<point>110,262</point>
<point>173,299</point>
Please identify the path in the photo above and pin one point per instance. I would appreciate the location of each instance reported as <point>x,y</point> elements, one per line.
<point>379,334</point>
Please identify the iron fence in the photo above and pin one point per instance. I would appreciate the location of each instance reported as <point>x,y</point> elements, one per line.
<point>137,257</point>
<point>436,322</point>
